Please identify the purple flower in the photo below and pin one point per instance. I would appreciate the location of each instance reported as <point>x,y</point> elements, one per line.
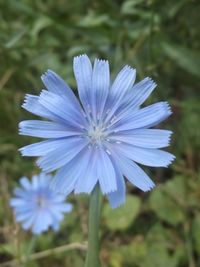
<point>37,206</point>
<point>101,138</point>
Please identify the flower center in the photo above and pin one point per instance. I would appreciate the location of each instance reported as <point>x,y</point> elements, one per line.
<point>96,134</point>
<point>41,202</point>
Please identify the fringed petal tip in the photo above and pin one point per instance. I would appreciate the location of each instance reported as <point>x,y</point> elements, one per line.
<point>169,138</point>
<point>98,60</point>
<point>21,151</point>
<point>20,132</point>
<point>80,57</point>
<point>152,84</point>
<point>26,98</point>
<point>45,74</point>
<point>40,163</point>
<point>150,80</point>
<point>29,102</point>
<point>48,74</point>
<point>170,162</point>
<point>130,74</point>
<point>106,192</point>
<point>151,187</point>
<point>167,107</point>
<point>77,192</point>
<point>20,127</point>
<point>129,68</point>
<point>45,93</point>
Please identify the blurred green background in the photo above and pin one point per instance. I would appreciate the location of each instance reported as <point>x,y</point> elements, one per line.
<point>162,40</point>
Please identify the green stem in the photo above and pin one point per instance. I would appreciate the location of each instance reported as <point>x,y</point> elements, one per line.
<point>92,258</point>
<point>31,246</point>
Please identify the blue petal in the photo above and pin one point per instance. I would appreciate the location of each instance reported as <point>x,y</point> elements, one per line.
<point>55,84</point>
<point>147,138</point>
<point>135,174</point>
<point>64,207</point>
<point>31,104</point>
<point>146,156</point>
<point>135,97</point>
<point>118,197</point>
<point>17,202</point>
<point>45,129</point>
<point>39,224</point>
<point>58,198</point>
<point>23,208</point>
<point>35,182</point>
<point>40,148</point>
<point>66,178</point>
<point>105,172</point>
<point>66,150</point>
<point>142,118</point>
<point>87,181</point>
<point>59,107</point>
<point>123,82</point>
<point>139,93</point>
<point>25,215</point>
<point>27,223</point>
<point>45,219</point>
<point>44,179</point>
<point>86,176</point>
<point>83,74</point>
<point>21,193</point>
<point>100,87</point>
<point>56,214</point>
<point>25,183</point>
<point>131,170</point>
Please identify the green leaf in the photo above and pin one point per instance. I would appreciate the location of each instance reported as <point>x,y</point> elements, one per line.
<point>158,255</point>
<point>176,188</point>
<point>94,20</point>
<point>196,232</point>
<point>40,24</point>
<point>129,7</point>
<point>167,201</point>
<point>126,255</point>
<point>16,38</point>
<point>187,59</point>
<point>122,217</point>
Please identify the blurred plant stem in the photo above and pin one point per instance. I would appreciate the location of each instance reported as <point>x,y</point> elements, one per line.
<point>92,258</point>
<point>43,254</point>
<point>31,247</point>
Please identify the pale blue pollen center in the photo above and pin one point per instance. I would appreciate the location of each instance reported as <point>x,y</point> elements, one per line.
<point>42,202</point>
<point>96,134</point>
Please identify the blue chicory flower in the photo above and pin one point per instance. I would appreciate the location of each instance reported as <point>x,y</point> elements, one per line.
<point>37,206</point>
<point>101,138</point>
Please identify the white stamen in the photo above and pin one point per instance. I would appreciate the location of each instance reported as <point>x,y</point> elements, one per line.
<point>108,151</point>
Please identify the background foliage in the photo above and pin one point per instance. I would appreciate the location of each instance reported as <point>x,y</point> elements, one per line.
<point>162,40</point>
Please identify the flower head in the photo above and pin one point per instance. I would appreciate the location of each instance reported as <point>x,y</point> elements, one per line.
<point>38,207</point>
<point>101,138</point>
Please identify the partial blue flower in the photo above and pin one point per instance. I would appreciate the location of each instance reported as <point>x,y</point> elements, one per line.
<point>36,206</point>
<point>102,138</point>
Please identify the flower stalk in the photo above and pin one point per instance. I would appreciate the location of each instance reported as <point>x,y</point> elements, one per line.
<point>92,258</point>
